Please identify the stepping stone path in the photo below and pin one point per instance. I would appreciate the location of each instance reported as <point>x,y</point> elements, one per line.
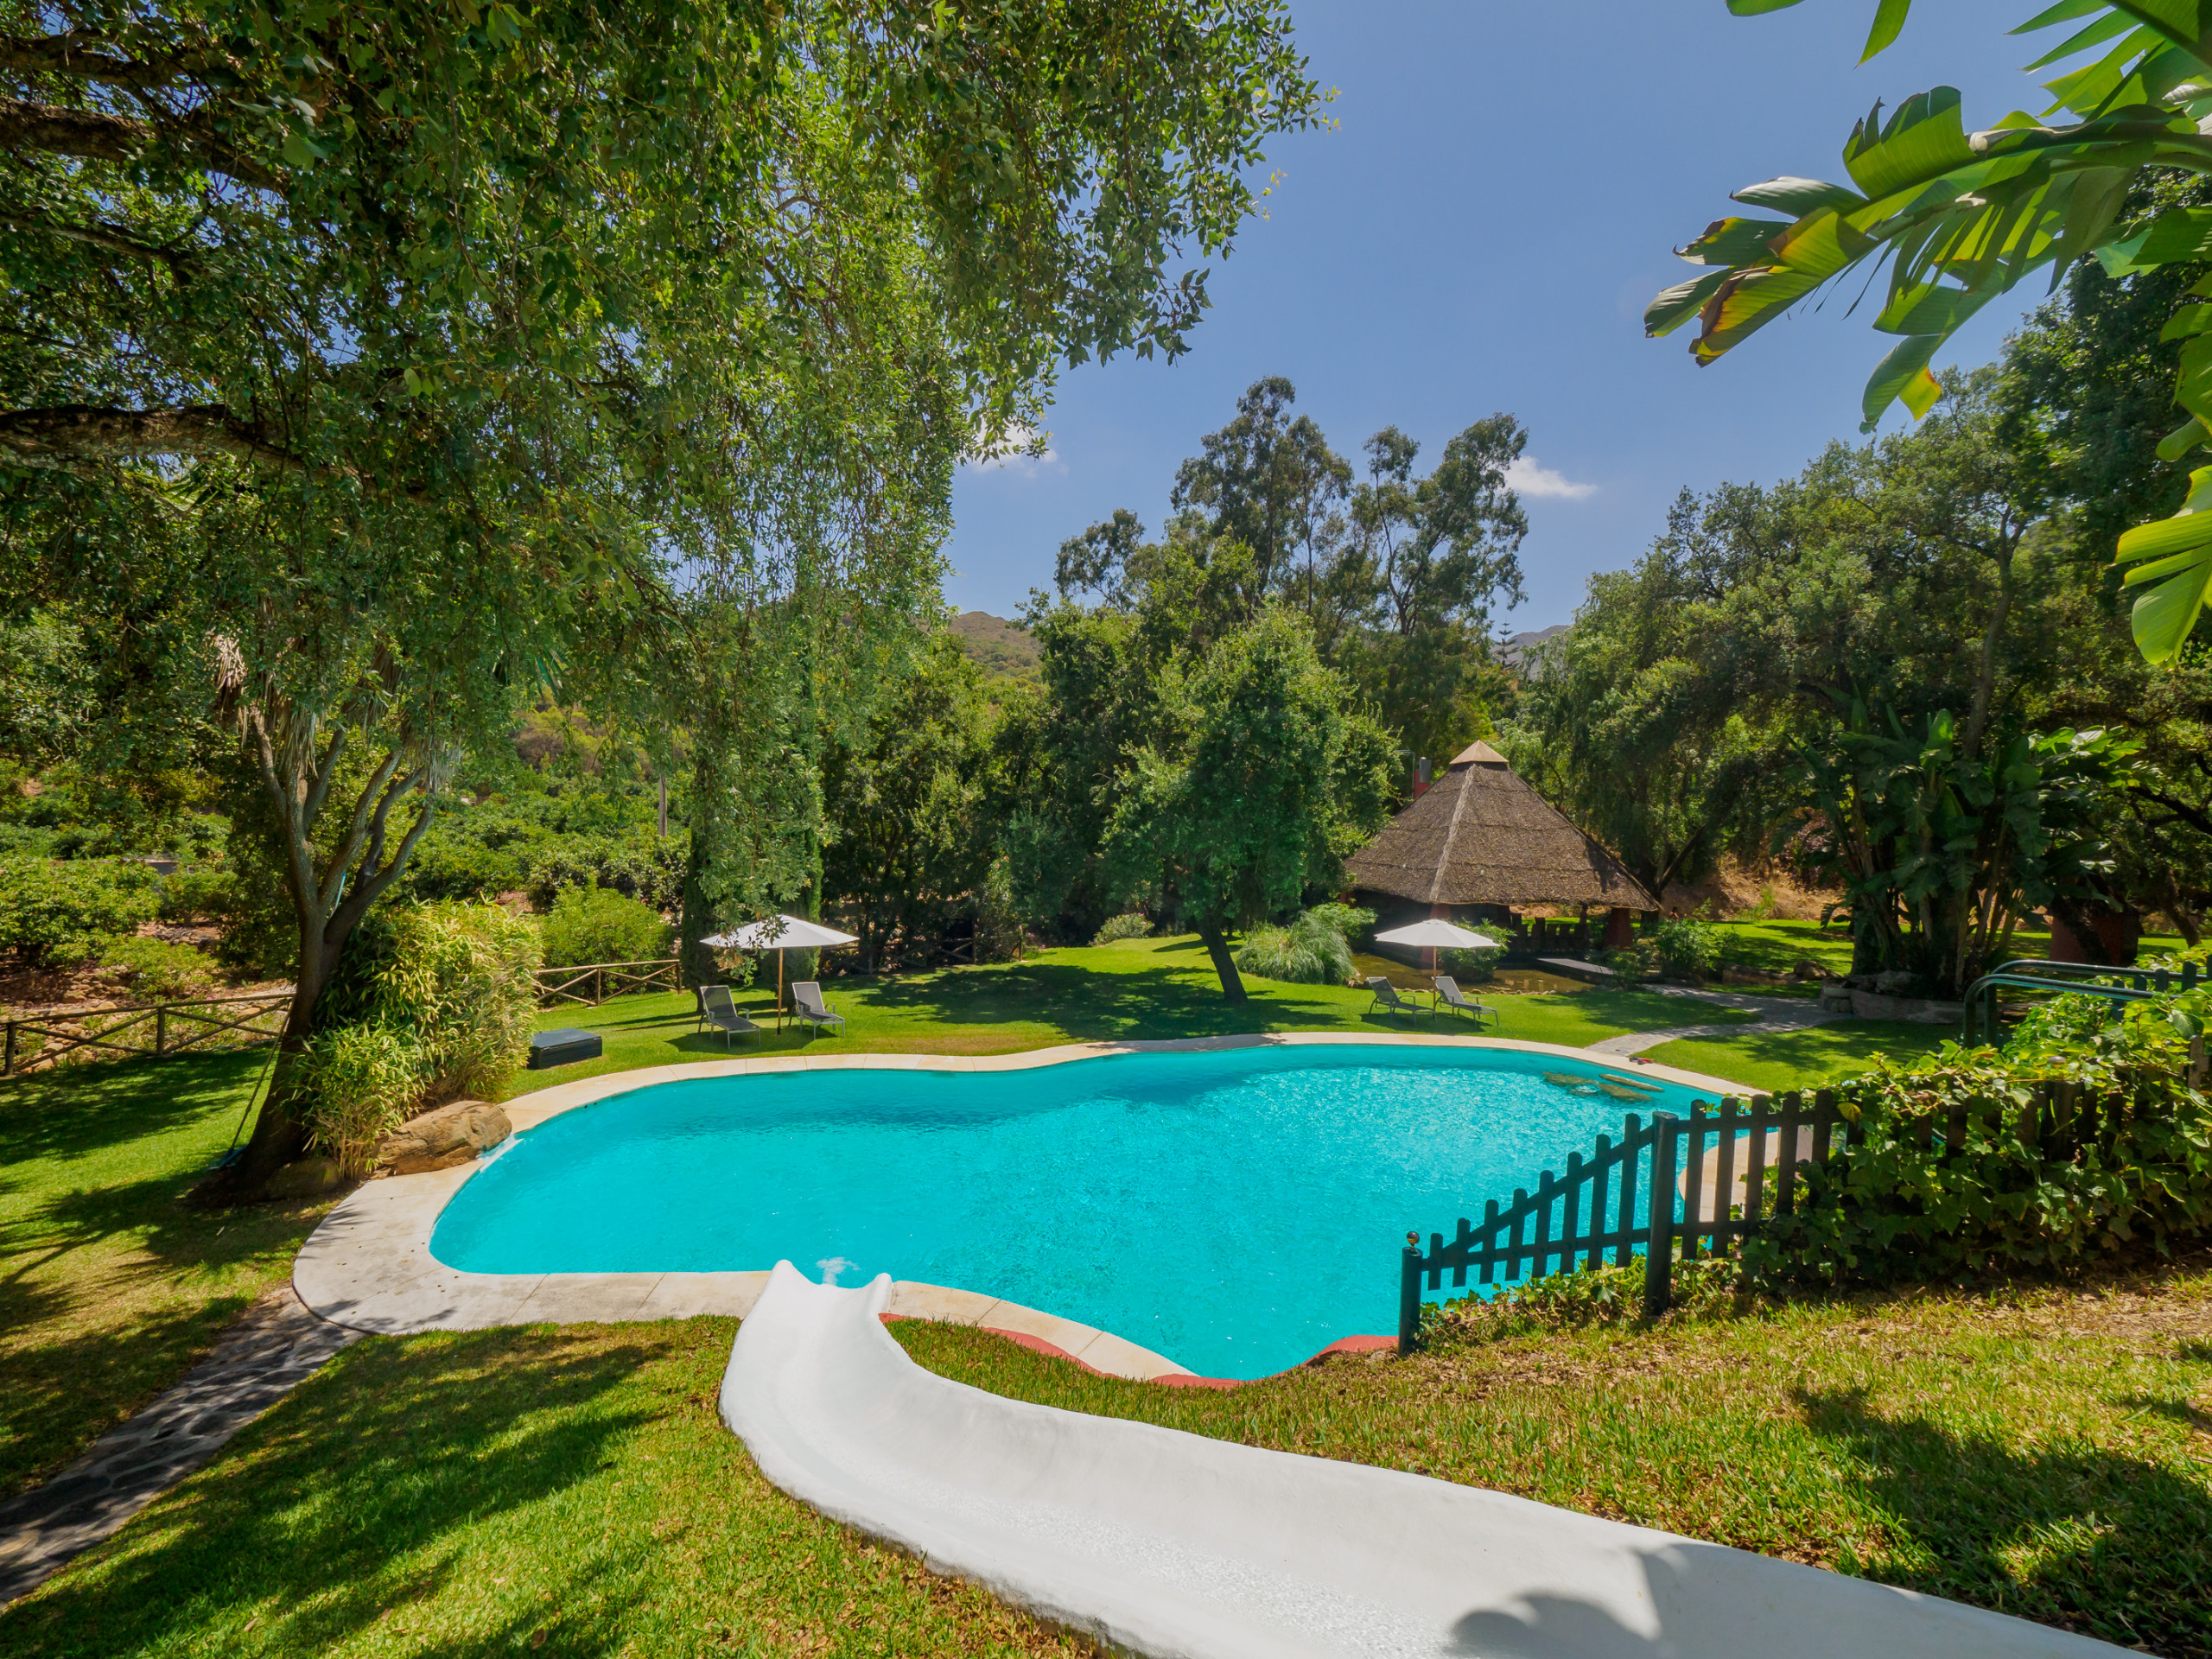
<point>1776,1014</point>
<point>274,1347</point>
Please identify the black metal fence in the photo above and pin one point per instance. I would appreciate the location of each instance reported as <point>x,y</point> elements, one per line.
<point>1710,1179</point>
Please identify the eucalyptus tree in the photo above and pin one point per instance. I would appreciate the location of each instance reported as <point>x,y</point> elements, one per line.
<point>1961,217</point>
<point>405,359</point>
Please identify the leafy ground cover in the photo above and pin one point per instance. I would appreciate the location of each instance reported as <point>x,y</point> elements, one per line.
<point>109,1287</point>
<point>562,1491</point>
<point>2045,1452</point>
<point>1775,1060</point>
<point>1134,988</point>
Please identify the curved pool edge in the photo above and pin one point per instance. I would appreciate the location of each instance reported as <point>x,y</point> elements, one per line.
<point>369,1267</point>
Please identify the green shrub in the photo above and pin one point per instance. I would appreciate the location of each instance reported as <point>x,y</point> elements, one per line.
<point>205,894</point>
<point>57,913</point>
<point>462,978</point>
<point>1350,921</point>
<point>1307,952</point>
<point>636,863</point>
<point>1890,1209</point>
<point>430,1002</point>
<point>1134,926</point>
<point>1476,966</point>
<point>1688,949</point>
<point>600,924</point>
<point>361,1081</point>
<point>156,971</point>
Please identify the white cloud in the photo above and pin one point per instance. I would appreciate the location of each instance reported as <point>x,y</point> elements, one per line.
<point>1013,450</point>
<point>1528,476</point>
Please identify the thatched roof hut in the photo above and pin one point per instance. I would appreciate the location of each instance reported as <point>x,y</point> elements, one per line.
<point>1479,835</point>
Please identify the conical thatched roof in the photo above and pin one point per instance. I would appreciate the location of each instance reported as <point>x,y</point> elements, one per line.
<point>1479,835</point>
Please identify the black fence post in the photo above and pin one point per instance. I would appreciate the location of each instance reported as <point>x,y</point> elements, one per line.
<point>1409,1293</point>
<point>1659,1244</point>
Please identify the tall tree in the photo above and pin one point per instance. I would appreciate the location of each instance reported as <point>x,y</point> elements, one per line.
<point>429,350</point>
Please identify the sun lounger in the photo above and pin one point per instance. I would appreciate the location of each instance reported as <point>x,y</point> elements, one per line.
<point>1449,995</point>
<point>808,1006</point>
<point>1387,999</point>
<point>716,1009</point>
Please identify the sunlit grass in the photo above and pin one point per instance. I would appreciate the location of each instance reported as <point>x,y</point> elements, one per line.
<point>2047,1453</point>
<point>564,1491</point>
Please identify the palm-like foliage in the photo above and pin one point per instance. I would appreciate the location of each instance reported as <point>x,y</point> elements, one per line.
<point>1961,217</point>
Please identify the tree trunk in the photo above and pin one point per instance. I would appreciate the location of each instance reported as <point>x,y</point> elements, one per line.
<point>1216,944</point>
<point>329,896</point>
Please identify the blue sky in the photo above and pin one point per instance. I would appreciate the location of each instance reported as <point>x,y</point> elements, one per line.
<point>1481,231</point>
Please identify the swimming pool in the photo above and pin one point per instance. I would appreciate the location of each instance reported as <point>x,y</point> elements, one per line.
<point>1236,1210</point>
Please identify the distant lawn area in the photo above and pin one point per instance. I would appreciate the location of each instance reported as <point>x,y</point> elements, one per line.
<point>1779,946</point>
<point>1135,988</point>
<point>1775,1060</point>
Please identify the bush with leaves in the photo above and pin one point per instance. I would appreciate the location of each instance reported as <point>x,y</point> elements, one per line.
<point>156,971</point>
<point>446,994</point>
<point>1308,953</point>
<point>600,924</point>
<point>361,1081</point>
<point>56,913</point>
<point>1889,1208</point>
<point>1133,925</point>
<point>1476,966</point>
<point>1351,922</point>
<point>635,862</point>
<point>1687,947</point>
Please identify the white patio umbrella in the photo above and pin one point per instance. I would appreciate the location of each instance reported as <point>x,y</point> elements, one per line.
<point>1435,933</point>
<point>780,934</point>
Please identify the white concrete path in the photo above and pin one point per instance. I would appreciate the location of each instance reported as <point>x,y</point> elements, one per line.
<point>1164,1543</point>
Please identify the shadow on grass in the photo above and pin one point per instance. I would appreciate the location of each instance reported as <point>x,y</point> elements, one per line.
<point>73,1386</point>
<point>2114,1547</point>
<point>75,1109</point>
<point>398,1449</point>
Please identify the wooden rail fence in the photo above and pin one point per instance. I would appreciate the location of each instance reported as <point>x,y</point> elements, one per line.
<point>1710,1181</point>
<point>588,984</point>
<point>244,1019</point>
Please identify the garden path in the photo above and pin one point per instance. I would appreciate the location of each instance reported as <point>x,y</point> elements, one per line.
<point>1776,1014</point>
<point>275,1346</point>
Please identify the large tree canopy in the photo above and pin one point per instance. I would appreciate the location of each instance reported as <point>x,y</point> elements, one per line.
<point>383,364</point>
<point>1961,216</point>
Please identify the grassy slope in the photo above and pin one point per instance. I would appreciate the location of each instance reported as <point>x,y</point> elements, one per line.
<point>570,1491</point>
<point>561,1491</point>
<point>1137,988</point>
<point>1775,1060</point>
<point>1781,945</point>
<point>2047,1453</point>
<point>109,1288</point>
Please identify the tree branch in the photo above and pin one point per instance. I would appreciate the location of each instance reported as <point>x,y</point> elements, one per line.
<point>95,135</point>
<point>112,239</point>
<point>67,432</point>
<point>87,57</point>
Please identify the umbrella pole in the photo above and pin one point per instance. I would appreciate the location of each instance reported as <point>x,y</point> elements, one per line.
<point>779,990</point>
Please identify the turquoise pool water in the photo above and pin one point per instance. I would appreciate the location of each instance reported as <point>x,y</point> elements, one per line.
<point>1237,1211</point>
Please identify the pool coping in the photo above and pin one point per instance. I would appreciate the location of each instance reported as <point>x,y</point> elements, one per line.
<point>369,1267</point>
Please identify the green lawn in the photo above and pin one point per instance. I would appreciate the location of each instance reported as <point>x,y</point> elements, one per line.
<point>2047,1453</point>
<point>564,1491</point>
<point>1775,1060</point>
<point>570,1491</point>
<point>1779,946</point>
<point>1136,988</point>
<point>109,1287</point>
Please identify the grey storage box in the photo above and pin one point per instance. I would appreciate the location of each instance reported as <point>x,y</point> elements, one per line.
<point>564,1048</point>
